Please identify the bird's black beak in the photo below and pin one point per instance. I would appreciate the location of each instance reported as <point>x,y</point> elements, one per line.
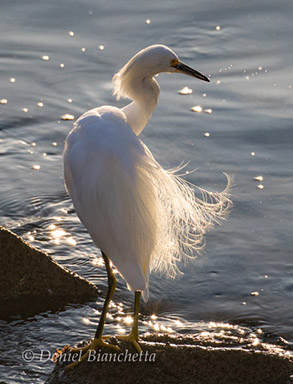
<point>183,68</point>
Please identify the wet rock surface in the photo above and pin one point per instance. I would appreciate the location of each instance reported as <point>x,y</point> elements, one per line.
<point>176,359</point>
<point>32,282</point>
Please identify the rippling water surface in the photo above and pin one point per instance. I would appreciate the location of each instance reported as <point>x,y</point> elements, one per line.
<point>58,58</point>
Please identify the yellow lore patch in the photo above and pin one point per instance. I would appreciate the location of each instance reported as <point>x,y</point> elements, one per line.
<point>174,62</point>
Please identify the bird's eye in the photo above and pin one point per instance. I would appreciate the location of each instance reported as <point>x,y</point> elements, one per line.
<point>174,62</point>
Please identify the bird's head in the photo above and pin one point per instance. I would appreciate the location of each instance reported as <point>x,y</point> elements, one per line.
<point>148,63</point>
<point>159,58</point>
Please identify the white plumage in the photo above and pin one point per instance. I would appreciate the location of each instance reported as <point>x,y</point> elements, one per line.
<point>141,216</point>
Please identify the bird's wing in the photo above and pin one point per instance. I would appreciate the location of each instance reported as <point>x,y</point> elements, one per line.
<point>111,193</point>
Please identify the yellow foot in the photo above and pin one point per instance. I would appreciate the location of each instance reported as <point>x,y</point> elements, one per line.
<point>132,338</point>
<point>93,345</point>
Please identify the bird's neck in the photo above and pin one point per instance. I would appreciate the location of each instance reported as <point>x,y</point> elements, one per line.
<point>145,96</point>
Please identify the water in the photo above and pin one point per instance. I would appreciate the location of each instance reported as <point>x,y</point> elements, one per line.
<point>246,48</point>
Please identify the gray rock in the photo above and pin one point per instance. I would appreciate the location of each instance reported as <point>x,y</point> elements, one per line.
<point>177,359</point>
<point>32,282</point>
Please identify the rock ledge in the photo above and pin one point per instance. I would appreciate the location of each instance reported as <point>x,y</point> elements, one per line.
<point>32,282</point>
<point>178,360</point>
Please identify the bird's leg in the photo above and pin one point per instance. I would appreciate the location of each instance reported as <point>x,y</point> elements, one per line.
<point>133,336</point>
<point>111,290</point>
<point>136,313</point>
<point>98,339</point>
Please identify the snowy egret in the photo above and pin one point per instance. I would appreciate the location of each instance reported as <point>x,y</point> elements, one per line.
<point>141,216</point>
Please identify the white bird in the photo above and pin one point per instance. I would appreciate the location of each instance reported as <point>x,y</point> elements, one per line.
<point>141,216</point>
